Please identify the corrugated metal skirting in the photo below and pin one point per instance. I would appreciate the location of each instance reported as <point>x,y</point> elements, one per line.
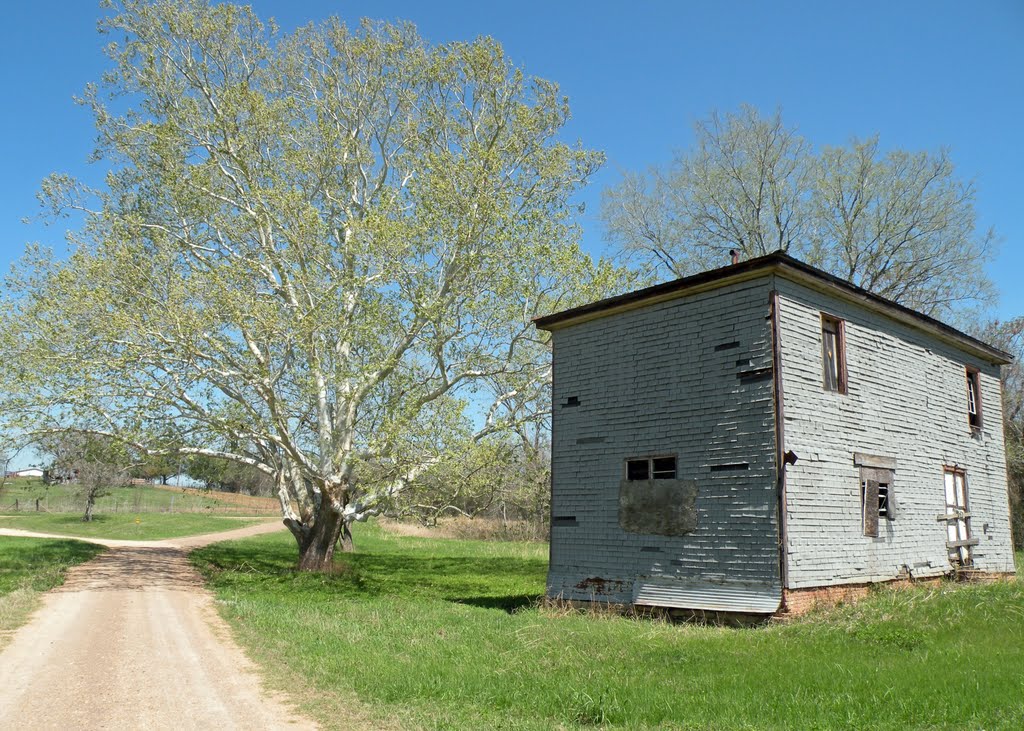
<point>710,596</point>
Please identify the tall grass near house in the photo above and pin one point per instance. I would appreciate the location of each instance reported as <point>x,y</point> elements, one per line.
<point>436,633</point>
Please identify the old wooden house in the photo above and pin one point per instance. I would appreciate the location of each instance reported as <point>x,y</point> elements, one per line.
<point>754,438</point>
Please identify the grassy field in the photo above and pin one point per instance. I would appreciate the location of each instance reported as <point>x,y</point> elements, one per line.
<point>416,632</point>
<point>30,566</point>
<point>20,495</point>
<point>139,527</point>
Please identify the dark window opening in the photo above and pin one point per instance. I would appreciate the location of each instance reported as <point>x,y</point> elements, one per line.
<point>664,468</point>
<point>638,469</point>
<point>883,500</point>
<point>973,398</point>
<point>651,468</point>
<point>833,353</point>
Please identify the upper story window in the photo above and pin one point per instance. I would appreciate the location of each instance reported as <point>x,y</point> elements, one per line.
<point>651,468</point>
<point>833,353</point>
<point>973,398</point>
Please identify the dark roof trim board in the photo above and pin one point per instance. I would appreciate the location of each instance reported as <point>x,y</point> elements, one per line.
<point>782,265</point>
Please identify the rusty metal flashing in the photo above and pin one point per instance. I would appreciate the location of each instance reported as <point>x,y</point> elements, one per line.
<point>789,268</point>
<point>708,595</point>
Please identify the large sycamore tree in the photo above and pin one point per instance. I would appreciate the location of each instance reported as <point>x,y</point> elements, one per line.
<point>314,253</point>
<point>898,223</point>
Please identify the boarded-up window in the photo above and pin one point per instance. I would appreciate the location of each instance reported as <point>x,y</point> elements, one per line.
<point>833,353</point>
<point>653,500</point>
<point>957,517</point>
<point>871,508</point>
<point>659,507</point>
<point>973,398</point>
<point>878,501</point>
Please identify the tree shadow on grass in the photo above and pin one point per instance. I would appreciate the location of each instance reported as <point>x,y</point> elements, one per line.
<point>447,577</point>
<point>508,604</point>
<point>505,583</point>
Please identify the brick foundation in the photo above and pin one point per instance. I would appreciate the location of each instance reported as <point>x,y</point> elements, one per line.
<point>801,601</point>
<point>795,601</point>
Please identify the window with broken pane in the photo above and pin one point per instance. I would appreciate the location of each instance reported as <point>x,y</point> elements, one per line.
<point>833,354</point>
<point>638,469</point>
<point>664,468</point>
<point>973,398</point>
<point>651,468</point>
<point>883,500</point>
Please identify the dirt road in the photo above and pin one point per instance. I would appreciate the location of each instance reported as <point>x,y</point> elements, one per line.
<point>133,641</point>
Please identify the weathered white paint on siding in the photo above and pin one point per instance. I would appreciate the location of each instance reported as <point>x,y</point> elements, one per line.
<point>907,399</point>
<point>650,382</point>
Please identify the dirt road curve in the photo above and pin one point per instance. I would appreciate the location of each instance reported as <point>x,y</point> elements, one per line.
<point>133,641</point>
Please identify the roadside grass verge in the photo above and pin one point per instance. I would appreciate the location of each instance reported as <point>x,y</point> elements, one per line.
<point>139,527</point>
<point>431,633</point>
<point>30,566</point>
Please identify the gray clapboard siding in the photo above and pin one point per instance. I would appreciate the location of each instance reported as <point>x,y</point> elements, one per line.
<point>907,400</point>
<point>665,379</point>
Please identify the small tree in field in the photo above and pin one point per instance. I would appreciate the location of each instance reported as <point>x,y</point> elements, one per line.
<point>162,467</point>
<point>229,476</point>
<point>315,253</point>
<point>91,464</point>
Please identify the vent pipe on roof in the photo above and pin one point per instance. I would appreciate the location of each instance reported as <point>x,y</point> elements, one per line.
<point>735,256</point>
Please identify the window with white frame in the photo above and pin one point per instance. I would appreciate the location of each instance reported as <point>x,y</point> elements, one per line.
<point>833,353</point>
<point>973,398</point>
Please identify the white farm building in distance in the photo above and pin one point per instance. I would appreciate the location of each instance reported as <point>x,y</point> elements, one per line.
<point>758,437</point>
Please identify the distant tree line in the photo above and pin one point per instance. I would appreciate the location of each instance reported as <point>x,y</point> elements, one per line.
<point>227,476</point>
<point>1009,336</point>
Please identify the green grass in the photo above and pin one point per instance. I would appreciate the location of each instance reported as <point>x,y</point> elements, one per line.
<point>141,527</point>
<point>30,566</point>
<point>130,499</point>
<point>447,634</point>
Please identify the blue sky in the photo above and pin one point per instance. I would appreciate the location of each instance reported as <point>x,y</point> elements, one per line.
<point>922,74</point>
